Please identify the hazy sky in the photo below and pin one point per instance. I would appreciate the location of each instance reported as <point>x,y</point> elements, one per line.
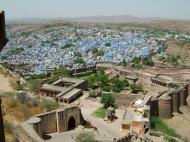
<point>16,9</point>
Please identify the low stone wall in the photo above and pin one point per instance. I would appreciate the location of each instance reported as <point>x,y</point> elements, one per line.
<point>49,121</point>
<point>23,136</point>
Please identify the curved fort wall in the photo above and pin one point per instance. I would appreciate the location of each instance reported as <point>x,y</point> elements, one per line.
<point>183,95</point>
<point>165,107</point>
<point>175,100</point>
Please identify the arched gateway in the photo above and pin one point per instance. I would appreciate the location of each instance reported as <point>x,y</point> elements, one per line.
<point>71,123</point>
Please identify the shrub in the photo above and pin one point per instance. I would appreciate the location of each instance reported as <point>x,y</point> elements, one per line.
<point>125,83</point>
<point>94,50</point>
<point>8,127</point>
<point>34,84</point>
<point>79,61</point>
<point>49,105</point>
<point>158,124</point>
<point>91,81</point>
<point>100,53</point>
<point>108,44</point>
<point>19,87</point>
<point>13,103</point>
<point>118,85</point>
<point>107,100</point>
<point>26,111</point>
<point>124,62</point>
<point>136,88</point>
<point>106,88</point>
<point>148,63</point>
<point>137,66</point>
<point>173,60</point>
<point>85,137</point>
<point>136,60</point>
<point>168,139</point>
<point>22,98</point>
<point>92,93</point>
<point>77,54</point>
<point>115,89</point>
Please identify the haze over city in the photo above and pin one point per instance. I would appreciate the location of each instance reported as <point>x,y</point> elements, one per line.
<point>19,9</point>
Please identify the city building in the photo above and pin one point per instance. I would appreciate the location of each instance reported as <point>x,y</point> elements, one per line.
<point>65,90</point>
<point>137,116</point>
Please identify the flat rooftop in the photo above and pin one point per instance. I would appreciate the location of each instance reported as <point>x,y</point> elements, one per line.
<point>70,80</point>
<point>131,115</point>
<point>142,102</point>
<point>71,93</point>
<point>66,91</point>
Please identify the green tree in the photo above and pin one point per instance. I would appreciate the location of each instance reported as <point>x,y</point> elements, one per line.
<point>118,85</point>
<point>107,100</point>
<point>136,60</point>
<point>108,44</point>
<point>100,53</point>
<point>78,54</point>
<point>94,50</point>
<point>19,87</point>
<point>79,61</point>
<point>124,62</point>
<point>60,72</point>
<point>102,77</point>
<point>106,88</point>
<point>173,59</point>
<point>34,84</point>
<point>148,63</point>
<point>125,83</point>
<point>91,82</point>
<point>137,66</point>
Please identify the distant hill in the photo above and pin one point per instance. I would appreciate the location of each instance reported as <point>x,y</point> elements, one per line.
<point>106,19</point>
<point>171,24</point>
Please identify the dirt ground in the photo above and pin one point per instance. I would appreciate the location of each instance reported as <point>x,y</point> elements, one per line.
<point>124,100</point>
<point>5,84</point>
<point>179,49</point>
<point>181,123</point>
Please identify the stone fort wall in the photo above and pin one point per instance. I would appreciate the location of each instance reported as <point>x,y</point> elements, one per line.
<point>60,120</point>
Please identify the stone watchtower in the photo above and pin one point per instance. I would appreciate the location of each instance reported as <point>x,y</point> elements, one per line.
<point>3,39</point>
